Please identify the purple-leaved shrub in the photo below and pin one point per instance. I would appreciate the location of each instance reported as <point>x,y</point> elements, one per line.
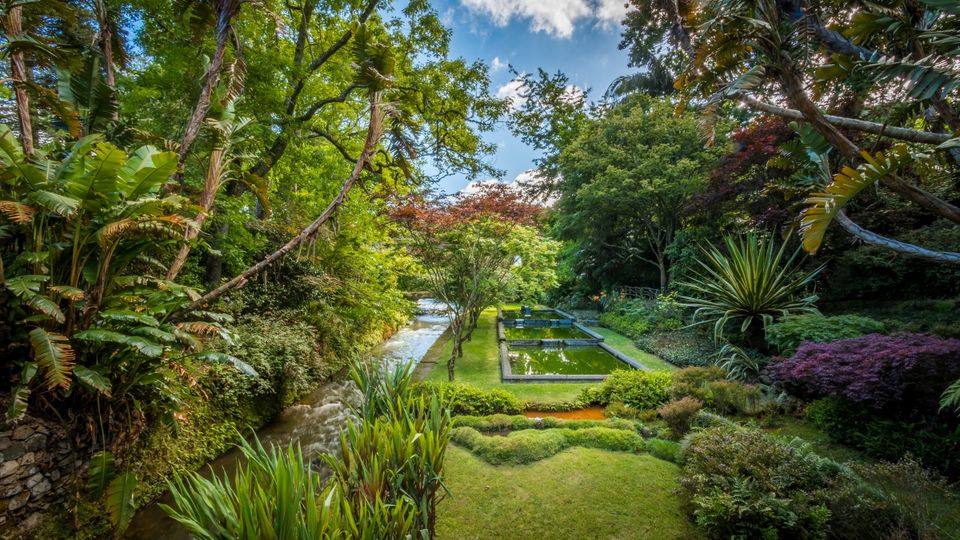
<point>881,372</point>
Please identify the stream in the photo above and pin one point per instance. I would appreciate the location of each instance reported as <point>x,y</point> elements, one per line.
<point>314,421</point>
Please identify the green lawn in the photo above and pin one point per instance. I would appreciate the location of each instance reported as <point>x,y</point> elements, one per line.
<point>625,345</point>
<point>578,493</point>
<point>480,365</point>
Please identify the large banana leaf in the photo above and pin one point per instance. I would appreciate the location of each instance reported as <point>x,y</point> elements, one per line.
<point>823,207</point>
<point>54,356</point>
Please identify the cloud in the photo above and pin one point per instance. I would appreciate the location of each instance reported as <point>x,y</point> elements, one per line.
<point>511,91</point>
<point>554,17</point>
<point>611,12</point>
<point>497,64</point>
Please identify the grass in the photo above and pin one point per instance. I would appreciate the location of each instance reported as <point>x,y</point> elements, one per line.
<point>627,347</point>
<point>480,365</point>
<point>578,493</point>
<point>791,426</point>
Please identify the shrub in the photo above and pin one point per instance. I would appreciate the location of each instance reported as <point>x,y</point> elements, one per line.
<point>678,414</point>
<point>503,422</point>
<point>604,438</point>
<point>636,388</point>
<point>858,426</point>
<point>890,500</point>
<point>665,450</point>
<point>619,409</point>
<point>794,330</point>
<point>692,381</point>
<point>744,484</point>
<point>634,318</point>
<point>681,348</point>
<point>881,372</point>
<point>466,399</point>
<point>732,397</point>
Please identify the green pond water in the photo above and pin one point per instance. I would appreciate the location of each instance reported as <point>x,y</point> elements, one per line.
<point>545,332</point>
<point>537,315</point>
<point>582,360</point>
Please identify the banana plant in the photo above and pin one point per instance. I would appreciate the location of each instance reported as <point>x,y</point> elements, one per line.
<point>77,255</point>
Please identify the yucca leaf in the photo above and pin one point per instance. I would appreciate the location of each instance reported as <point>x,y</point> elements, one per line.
<point>54,356</point>
<point>823,207</point>
<point>120,504</point>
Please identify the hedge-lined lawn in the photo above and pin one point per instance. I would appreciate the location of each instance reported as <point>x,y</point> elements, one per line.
<point>578,493</point>
<point>626,346</point>
<point>480,366</point>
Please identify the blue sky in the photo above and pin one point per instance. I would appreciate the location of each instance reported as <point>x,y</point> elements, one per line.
<point>577,37</point>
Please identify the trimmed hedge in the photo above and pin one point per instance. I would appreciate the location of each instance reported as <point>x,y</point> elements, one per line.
<point>503,422</point>
<point>469,400</point>
<point>529,445</point>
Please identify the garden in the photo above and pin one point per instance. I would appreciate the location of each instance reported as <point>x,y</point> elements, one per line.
<point>237,301</point>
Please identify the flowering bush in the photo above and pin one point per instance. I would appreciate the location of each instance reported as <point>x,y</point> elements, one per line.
<point>874,370</point>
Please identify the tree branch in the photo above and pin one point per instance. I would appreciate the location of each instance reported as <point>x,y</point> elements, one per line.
<point>875,239</point>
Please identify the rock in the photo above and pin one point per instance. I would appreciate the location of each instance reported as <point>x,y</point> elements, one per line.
<point>13,490</point>
<point>34,480</point>
<point>19,501</point>
<point>40,488</point>
<point>5,442</point>
<point>8,468</point>
<point>37,441</point>
<point>28,459</point>
<point>22,432</point>
<point>54,475</point>
<point>15,451</point>
<point>31,522</point>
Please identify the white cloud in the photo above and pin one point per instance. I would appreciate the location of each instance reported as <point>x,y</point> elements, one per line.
<point>573,93</point>
<point>554,17</point>
<point>511,91</point>
<point>497,64</point>
<point>528,181</point>
<point>611,12</point>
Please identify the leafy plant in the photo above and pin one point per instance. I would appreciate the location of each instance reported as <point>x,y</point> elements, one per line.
<point>751,283</point>
<point>636,388</point>
<point>794,330</point>
<point>681,348</point>
<point>678,414</point>
<point>740,364</point>
<point>466,399</point>
<point>906,372</point>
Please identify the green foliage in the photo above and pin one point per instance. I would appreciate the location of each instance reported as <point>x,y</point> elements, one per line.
<point>634,318</point>
<point>793,330</point>
<point>637,388</point>
<point>679,413</point>
<point>857,426</point>
<point>502,422</point>
<point>527,446</point>
<point>750,282</point>
<point>385,483</point>
<point>888,500</point>
<point>743,483</point>
<point>665,450</point>
<point>734,397</point>
<point>693,381</point>
<point>469,400</point>
<point>681,348</point>
<point>741,363</point>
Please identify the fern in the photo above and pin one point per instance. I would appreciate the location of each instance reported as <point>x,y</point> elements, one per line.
<point>951,397</point>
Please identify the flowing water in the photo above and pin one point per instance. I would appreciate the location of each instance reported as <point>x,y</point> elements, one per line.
<point>316,420</point>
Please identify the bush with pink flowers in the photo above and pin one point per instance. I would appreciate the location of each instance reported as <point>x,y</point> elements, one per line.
<point>880,372</point>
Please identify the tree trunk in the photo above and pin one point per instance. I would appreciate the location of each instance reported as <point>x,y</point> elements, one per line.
<point>875,239</point>
<point>106,49</point>
<point>211,184</point>
<point>18,71</point>
<point>374,131</point>
<point>793,89</point>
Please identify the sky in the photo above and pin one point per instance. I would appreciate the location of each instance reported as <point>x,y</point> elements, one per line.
<point>577,37</point>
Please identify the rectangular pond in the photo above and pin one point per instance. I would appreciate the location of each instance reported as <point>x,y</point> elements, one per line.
<point>576,360</point>
<point>536,315</point>
<point>544,332</point>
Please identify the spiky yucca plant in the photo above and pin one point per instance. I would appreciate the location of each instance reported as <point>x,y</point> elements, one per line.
<point>752,281</point>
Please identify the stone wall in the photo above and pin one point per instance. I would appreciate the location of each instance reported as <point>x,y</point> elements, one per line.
<point>37,463</point>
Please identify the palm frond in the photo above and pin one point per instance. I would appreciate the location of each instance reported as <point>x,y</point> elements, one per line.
<point>54,356</point>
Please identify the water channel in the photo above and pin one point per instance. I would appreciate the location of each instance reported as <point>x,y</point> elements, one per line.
<point>316,420</point>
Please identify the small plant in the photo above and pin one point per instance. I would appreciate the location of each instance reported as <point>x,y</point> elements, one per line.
<point>681,348</point>
<point>466,399</point>
<point>527,446</point>
<point>751,282</point>
<point>692,381</point>
<point>741,364</point>
<point>732,397</point>
<point>678,414</point>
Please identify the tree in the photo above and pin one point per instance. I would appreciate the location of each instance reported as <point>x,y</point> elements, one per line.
<point>627,178</point>
<point>742,50</point>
